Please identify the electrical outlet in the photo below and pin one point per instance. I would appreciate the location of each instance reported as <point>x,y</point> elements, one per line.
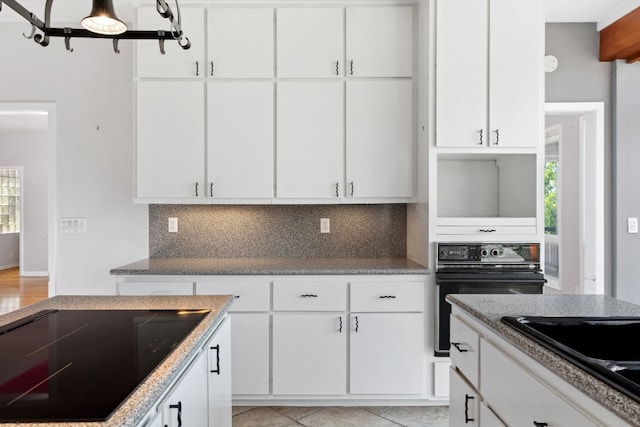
<point>173,225</point>
<point>632,225</point>
<point>72,225</point>
<point>325,225</point>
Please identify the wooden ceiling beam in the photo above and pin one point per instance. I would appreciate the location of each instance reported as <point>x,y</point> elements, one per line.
<point>621,39</point>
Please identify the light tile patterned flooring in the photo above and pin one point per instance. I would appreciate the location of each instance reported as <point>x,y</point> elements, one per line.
<point>363,416</point>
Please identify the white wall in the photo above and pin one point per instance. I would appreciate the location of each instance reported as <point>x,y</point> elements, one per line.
<point>9,250</point>
<point>92,91</point>
<point>29,150</point>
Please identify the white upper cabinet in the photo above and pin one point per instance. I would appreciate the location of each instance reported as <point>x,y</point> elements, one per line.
<point>177,62</point>
<point>240,42</point>
<point>310,128</point>
<point>240,139</point>
<point>380,41</point>
<point>310,42</point>
<point>379,138</point>
<point>170,139</point>
<point>489,76</point>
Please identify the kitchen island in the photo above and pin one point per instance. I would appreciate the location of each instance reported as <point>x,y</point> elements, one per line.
<point>498,368</point>
<point>140,406</point>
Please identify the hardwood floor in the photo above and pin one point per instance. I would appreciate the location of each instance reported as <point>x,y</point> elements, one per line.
<point>17,291</point>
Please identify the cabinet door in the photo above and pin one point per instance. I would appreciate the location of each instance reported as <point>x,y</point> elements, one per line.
<point>461,73</point>
<point>219,375</point>
<point>310,128</point>
<point>516,73</point>
<point>379,138</point>
<point>309,354</point>
<point>464,402</point>
<point>380,41</point>
<point>387,353</point>
<point>240,140</point>
<point>240,42</point>
<point>310,42</point>
<point>187,402</point>
<point>250,357</point>
<point>488,418</point>
<point>177,62</point>
<point>170,139</point>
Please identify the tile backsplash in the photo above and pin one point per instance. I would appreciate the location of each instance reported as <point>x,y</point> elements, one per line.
<point>278,231</point>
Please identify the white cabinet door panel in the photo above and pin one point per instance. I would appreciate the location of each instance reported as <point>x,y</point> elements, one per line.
<point>461,88</point>
<point>240,140</point>
<point>240,42</point>
<point>250,353</point>
<point>517,48</point>
<point>219,376</point>
<point>464,402</point>
<point>177,62</point>
<point>170,139</point>
<point>309,354</point>
<point>187,402</point>
<point>310,42</point>
<point>387,353</point>
<point>310,147</point>
<point>379,138</point>
<point>380,41</point>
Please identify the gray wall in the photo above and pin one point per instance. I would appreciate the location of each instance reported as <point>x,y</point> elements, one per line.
<point>581,77</point>
<point>278,231</point>
<point>627,178</point>
<point>92,89</point>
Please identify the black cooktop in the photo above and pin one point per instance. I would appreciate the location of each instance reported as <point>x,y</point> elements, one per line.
<point>80,365</point>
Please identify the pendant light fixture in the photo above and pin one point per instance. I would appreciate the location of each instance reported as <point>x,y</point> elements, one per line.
<point>103,19</point>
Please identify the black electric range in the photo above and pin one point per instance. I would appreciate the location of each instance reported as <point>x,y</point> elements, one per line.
<point>80,365</point>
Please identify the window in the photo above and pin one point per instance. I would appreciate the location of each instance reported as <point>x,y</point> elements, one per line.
<point>9,201</point>
<point>551,197</point>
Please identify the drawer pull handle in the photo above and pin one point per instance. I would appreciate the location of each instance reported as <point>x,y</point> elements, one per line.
<point>217,349</point>
<point>309,296</point>
<point>481,141</point>
<point>487,230</point>
<point>340,319</point>
<point>178,406</point>
<point>357,324</point>
<point>237,296</point>
<point>196,189</point>
<point>387,296</point>
<point>467,418</point>
<point>459,347</point>
<point>537,424</point>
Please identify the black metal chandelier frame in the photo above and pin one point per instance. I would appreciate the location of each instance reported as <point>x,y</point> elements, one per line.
<point>175,33</point>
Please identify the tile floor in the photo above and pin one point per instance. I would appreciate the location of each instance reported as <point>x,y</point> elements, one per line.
<point>364,416</point>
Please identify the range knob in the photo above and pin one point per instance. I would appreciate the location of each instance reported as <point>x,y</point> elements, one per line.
<point>484,252</point>
<point>495,252</point>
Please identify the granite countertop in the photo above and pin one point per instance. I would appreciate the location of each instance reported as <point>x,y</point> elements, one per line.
<point>489,310</point>
<point>270,266</point>
<point>133,410</point>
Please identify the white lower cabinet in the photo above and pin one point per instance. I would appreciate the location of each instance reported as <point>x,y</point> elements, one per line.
<point>250,343</point>
<point>386,353</point>
<point>309,354</point>
<point>219,376</point>
<point>464,401</point>
<point>488,418</point>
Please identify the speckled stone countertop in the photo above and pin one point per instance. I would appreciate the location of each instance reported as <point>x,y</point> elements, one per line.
<point>270,266</point>
<point>133,410</point>
<point>489,310</point>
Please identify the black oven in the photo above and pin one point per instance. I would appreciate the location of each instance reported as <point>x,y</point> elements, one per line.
<point>482,268</point>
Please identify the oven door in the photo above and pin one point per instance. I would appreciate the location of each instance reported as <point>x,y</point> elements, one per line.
<point>477,283</point>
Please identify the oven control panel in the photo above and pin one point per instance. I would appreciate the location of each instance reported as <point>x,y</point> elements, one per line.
<point>500,253</point>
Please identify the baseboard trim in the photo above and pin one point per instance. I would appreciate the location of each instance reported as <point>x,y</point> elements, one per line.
<point>34,273</point>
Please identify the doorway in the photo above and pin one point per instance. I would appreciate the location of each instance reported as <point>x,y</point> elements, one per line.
<point>27,139</point>
<point>575,243</point>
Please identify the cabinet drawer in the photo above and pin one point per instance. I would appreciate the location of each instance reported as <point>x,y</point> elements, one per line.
<point>309,296</point>
<point>487,230</point>
<point>155,288</point>
<point>249,296</point>
<point>465,343</point>
<point>388,296</point>
<point>518,398</point>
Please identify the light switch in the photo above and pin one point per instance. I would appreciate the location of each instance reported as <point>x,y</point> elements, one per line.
<point>173,225</point>
<point>632,225</point>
